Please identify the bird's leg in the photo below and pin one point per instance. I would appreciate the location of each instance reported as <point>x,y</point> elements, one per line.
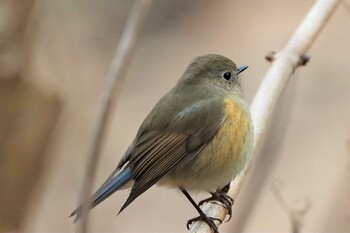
<point>221,196</point>
<point>202,216</point>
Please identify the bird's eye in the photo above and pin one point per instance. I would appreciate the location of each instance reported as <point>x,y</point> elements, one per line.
<point>227,75</point>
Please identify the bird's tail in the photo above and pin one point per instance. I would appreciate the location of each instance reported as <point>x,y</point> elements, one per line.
<point>107,189</point>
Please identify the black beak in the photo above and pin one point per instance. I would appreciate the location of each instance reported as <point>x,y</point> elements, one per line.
<point>241,69</point>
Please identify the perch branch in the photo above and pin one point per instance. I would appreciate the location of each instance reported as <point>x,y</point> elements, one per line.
<point>283,66</point>
<point>119,62</point>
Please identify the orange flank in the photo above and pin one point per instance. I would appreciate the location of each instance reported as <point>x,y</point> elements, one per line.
<point>235,126</point>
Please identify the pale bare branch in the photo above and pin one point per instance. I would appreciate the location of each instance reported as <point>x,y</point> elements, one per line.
<point>282,68</point>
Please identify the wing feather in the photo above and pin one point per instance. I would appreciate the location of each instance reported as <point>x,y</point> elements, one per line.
<point>158,151</point>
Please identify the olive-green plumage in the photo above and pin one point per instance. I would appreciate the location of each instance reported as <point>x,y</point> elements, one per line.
<point>197,137</point>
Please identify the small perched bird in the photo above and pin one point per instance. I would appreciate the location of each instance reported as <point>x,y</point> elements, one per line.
<point>198,137</point>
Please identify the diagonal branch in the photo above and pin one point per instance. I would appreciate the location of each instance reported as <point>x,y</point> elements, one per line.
<point>282,68</point>
<point>120,60</point>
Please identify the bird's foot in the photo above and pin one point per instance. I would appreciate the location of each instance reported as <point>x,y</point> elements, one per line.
<point>207,220</point>
<point>222,197</point>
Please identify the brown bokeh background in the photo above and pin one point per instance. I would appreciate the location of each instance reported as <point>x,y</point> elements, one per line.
<point>58,53</point>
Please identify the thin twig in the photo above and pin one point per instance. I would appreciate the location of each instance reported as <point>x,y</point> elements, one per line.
<point>282,68</point>
<point>120,60</point>
<point>296,212</point>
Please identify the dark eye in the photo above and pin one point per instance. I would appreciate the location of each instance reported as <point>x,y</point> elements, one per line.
<point>227,75</point>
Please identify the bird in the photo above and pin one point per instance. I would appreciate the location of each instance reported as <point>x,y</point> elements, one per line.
<point>197,138</point>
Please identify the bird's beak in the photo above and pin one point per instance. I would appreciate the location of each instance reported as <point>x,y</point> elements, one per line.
<point>241,69</point>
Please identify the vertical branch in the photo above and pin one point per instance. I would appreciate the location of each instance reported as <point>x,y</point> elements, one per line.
<point>282,68</point>
<point>118,66</point>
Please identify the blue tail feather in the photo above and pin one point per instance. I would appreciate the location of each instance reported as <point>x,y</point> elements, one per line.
<point>105,191</point>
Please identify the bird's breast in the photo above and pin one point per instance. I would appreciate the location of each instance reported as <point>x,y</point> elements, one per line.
<point>234,132</point>
<point>225,155</point>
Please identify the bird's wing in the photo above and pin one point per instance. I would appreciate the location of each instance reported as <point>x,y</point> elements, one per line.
<point>157,152</point>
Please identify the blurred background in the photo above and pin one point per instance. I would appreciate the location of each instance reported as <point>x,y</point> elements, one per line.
<point>54,56</point>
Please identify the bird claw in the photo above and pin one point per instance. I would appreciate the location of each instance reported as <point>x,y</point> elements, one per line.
<point>222,197</point>
<point>207,220</point>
